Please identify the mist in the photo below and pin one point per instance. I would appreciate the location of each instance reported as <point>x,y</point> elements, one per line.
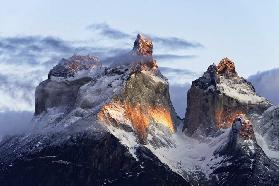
<point>13,122</point>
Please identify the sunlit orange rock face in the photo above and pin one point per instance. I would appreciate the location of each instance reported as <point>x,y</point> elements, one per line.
<point>226,66</point>
<point>143,46</point>
<point>143,102</point>
<point>225,118</point>
<point>135,115</point>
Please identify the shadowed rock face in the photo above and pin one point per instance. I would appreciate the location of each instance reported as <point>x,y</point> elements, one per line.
<point>216,98</point>
<point>86,160</point>
<point>244,162</point>
<point>62,94</point>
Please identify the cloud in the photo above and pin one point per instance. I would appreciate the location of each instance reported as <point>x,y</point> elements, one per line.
<point>178,76</point>
<point>173,56</point>
<point>105,30</point>
<point>26,60</point>
<point>174,43</point>
<point>267,84</point>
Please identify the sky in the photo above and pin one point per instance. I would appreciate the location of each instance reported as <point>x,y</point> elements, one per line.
<point>188,36</point>
<point>246,31</point>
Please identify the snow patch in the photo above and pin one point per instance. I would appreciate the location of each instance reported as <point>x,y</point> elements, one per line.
<point>239,90</point>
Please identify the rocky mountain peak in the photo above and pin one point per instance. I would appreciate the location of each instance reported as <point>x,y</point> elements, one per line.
<point>73,65</point>
<point>241,136</point>
<point>217,97</point>
<point>226,67</point>
<point>143,46</point>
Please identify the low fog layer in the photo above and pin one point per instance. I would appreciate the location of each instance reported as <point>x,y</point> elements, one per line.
<point>12,122</point>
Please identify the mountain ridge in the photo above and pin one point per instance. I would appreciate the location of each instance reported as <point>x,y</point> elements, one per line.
<point>124,115</point>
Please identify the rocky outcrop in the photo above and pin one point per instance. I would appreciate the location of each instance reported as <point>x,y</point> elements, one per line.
<point>244,162</point>
<point>67,68</point>
<point>62,94</point>
<point>216,98</point>
<point>226,67</point>
<point>144,100</point>
<point>143,46</point>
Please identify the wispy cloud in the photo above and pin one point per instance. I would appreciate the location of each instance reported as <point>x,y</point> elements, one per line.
<point>173,56</point>
<point>26,60</point>
<point>174,43</point>
<point>106,30</point>
<point>267,84</point>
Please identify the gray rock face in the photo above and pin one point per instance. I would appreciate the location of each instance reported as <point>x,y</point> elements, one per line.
<point>62,94</point>
<point>216,98</point>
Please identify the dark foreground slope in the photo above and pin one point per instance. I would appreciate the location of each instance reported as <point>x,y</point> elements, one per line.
<point>84,159</point>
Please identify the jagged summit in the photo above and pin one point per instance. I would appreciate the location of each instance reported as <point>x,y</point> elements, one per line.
<point>226,67</point>
<point>217,97</point>
<point>143,46</point>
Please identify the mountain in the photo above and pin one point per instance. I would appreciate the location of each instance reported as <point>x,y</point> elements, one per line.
<point>216,98</point>
<point>115,125</point>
